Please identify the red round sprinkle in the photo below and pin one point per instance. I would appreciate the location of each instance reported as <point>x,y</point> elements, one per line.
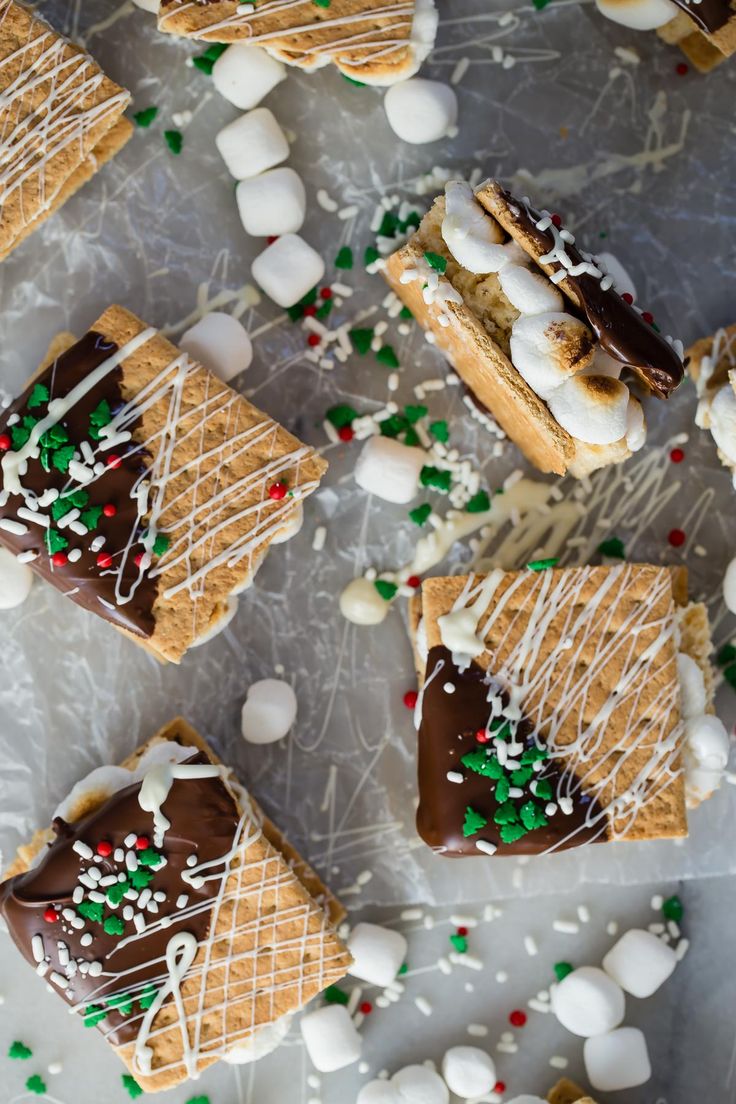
<point>104,559</point>
<point>647,316</point>
<point>313,340</point>
<point>627,297</point>
<point>310,311</point>
<point>138,559</point>
<point>50,915</point>
<point>109,509</point>
<point>113,460</point>
<point>414,581</point>
<point>104,848</point>
<point>345,433</point>
<point>142,843</point>
<point>277,491</point>
<point>677,456</point>
<point>272,238</point>
<point>5,442</point>
<point>682,69</point>
<point>365,1007</point>
<point>517,1018</point>
<point>676,537</point>
<point>59,559</point>
<point>410,699</point>
<point>557,221</point>
<point>499,1087</point>
<point>462,931</point>
<point>482,736</point>
<point>326,293</point>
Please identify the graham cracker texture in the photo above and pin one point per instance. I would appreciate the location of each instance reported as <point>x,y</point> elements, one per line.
<point>55,140</point>
<point>205,464</point>
<point>625,746</point>
<point>232,1004</point>
<point>705,51</point>
<point>567,1092</point>
<point>476,342</point>
<point>368,40</point>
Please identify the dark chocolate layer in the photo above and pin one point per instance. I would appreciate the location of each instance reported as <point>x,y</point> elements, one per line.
<point>85,581</point>
<point>710,15</point>
<point>204,819</point>
<point>447,732</point>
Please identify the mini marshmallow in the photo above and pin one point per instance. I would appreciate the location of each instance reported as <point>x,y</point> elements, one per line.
<point>245,74</point>
<point>707,746</point>
<point>287,269</point>
<point>546,349</point>
<point>636,427</point>
<point>219,342</point>
<point>468,1071</point>
<point>251,144</point>
<point>729,586</point>
<point>641,15</point>
<point>15,580</point>
<point>379,1091</point>
<point>420,111</point>
<point>292,527</point>
<point>588,1002</point>
<point>692,687</point>
<point>530,292</point>
<point>618,1060</point>
<point>591,408</point>
<point>272,204</point>
<point>420,1085</point>
<point>147,5</point>
<point>612,267</point>
<point>389,469</point>
<point>269,711</point>
<point>361,604</point>
<point>640,962</point>
<point>330,1037</point>
<point>473,237</point>
<point>603,364</point>
<point>723,421</point>
<point>377,953</point>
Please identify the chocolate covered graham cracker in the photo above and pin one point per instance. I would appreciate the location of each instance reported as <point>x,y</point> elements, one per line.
<point>705,31</point>
<point>60,117</point>
<point>370,41</point>
<point>170,914</point>
<point>534,327</point>
<point>712,365</point>
<point>143,487</point>
<point>552,713</point>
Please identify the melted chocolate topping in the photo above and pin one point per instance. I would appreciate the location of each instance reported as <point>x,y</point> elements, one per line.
<point>204,820</point>
<point>710,15</point>
<point>88,584</point>
<point>447,732</point>
<point>620,329</point>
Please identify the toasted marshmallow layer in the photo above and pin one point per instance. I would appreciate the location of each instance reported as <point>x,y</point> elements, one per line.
<point>548,349</point>
<point>641,15</point>
<point>591,408</point>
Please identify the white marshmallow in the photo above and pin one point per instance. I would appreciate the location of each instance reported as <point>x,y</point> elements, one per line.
<point>245,74</point>
<point>692,687</point>
<point>641,15</point>
<point>219,342</point>
<point>361,604</point>
<point>612,267</point>
<point>636,427</point>
<point>723,421</point>
<point>377,953</point>
<point>389,469</point>
<point>530,292</point>
<point>525,1098</point>
<point>640,962</point>
<point>472,235</point>
<point>707,746</point>
<point>272,204</point>
<point>588,1002</point>
<point>97,786</point>
<point>147,5</point>
<point>468,1071</point>
<point>262,1042</point>
<point>330,1037</point>
<point>269,711</point>
<point>420,111</point>
<point>591,408</point>
<point>729,586</point>
<point>516,255</point>
<point>546,349</point>
<point>379,1091</point>
<point>15,580</point>
<point>251,144</point>
<point>618,1060</point>
<point>420,1085</point>
<point>287,269</point>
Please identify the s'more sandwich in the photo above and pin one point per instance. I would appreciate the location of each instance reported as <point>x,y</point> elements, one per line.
<point>168,912</point>
<point>562,706</point>
<point>712,366</point>
<point>534,327</point>
<point>375,42</point>
<point>143,487</point>
<point>61,119</point>
<point>705,30</point>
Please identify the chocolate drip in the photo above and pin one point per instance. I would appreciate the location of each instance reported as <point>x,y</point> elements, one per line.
<point>85,582</point>
<point>620,329</point>
<point>447,731</point>
<point>710,15</point>
<point>204,821</point>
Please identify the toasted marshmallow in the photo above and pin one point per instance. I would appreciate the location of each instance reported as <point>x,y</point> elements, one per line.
<point>642,15</point>
<point>530,292</point>
<point>722,416</point>
<point>636,429</point>
<point>546,349</point>
<point>591,408</point>
<point>473,237</point>
<point>603,365</point>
